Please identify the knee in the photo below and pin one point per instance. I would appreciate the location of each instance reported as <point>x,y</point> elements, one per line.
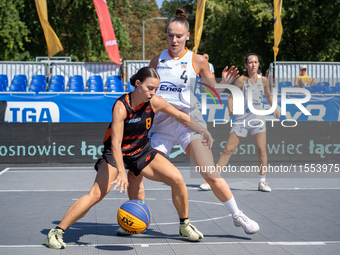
<point>178,180</point>
<point>228,151</point>
<point>213,182</point>
<point>261,152</point>
<point>96,195</point>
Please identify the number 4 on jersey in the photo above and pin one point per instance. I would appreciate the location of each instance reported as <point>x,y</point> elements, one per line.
<point>184,77</point>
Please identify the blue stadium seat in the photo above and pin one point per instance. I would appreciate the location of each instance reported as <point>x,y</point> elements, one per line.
<point>41,79</point>
<point>337,85</point>
<point>115,84</point>
<point>76,86</point>
<point>5,78</point>
<point>95,86</point>
<point>36,86</point>
<point>22,78</point>
<point>76,83</point>
<point>18,85</point>
<point>96,77</point>
<point>323,83</point>
<point>321,87</point>
<point>330,90</point>
<point>57,83</point>
<point>312,89</point>
<point>56,87</point>
<point>3,86</point>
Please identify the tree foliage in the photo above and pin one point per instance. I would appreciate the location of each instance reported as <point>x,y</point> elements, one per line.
<point>76,24</point>
<point>231,30</point>
<point>234,28</point>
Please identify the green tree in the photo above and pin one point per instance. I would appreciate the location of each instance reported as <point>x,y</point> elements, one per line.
<point>234,28</point>
<point>13,32</point>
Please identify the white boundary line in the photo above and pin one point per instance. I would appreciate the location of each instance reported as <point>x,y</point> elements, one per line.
<point>5,170</point>
<point>145,245</point>
<point>155,189</point>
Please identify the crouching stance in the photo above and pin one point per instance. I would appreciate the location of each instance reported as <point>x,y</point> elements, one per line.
<point>127,146</point>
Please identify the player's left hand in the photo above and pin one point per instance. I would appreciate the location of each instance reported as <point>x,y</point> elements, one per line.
<point>228,76</point>
<point>277,114</point>
<point>207,139</point>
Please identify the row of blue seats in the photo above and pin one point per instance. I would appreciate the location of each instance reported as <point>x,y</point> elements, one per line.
<point>57,84</point>
<point>320,88</point>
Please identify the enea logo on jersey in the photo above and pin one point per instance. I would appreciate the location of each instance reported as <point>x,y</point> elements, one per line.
<point>168,86</point>
<point>32,112</point>
<point>184,65</point>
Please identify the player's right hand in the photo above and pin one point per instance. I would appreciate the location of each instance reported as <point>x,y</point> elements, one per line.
<point>231,113</point>
<point>121,181</point>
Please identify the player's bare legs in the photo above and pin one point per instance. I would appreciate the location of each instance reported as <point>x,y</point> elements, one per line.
<point>260,145</point>
<point>136,187</point>
<point>101,187</point>
<point>161,170</point>
<point>233,142</point>
<point>201,156</point>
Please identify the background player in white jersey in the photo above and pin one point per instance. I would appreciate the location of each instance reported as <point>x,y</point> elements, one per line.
<point>250,82</point>
<point>177,67</point>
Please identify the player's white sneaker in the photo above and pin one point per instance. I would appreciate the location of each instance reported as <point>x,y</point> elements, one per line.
<point>54,239</point>
<point>263,186</point>
<point>249,226</point>
<point>190,231</point>
<point>121,232</point>
<point>205,186</point>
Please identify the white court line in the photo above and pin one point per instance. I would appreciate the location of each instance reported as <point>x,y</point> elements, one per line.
<point>82,190</point>
<point>145,245</point>
<point>52,171</point>
<point>157,189</point>
<point>4,171</point>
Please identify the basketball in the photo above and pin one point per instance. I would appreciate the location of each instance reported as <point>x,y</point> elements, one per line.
<point>134,216</point>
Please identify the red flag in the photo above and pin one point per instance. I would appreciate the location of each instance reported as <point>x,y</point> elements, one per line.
<point>106,28</point>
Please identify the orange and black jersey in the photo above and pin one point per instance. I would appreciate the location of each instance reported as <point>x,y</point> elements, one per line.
<point>137,124</point>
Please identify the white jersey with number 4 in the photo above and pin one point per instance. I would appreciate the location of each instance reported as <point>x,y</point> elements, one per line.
<point>178,78</point>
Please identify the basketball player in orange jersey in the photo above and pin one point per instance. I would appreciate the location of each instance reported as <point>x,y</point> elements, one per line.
<point>127,146</point>
<point>177,68</point>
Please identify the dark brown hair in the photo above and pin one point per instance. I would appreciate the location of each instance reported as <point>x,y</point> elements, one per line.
<point>180,17</point>
<point>246,61</point>
<point>143,74</point>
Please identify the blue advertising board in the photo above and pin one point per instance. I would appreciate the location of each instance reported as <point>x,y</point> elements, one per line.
<point>92,107</point>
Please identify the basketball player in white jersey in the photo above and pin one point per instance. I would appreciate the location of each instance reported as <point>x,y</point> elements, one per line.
<point>250,82</point>
<point>178,67</point>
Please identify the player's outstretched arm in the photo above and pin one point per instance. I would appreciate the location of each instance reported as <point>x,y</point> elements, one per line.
<point>160,104</point>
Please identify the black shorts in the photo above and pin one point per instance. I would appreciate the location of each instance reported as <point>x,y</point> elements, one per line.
<point>135,164</point>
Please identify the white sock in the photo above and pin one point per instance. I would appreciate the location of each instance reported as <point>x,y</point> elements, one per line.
<point>262,178</point>
<point>232,206</point>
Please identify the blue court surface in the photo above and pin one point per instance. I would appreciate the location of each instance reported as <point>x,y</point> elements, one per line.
<point>300,216</point>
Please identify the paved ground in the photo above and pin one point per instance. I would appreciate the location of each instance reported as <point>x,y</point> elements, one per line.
<point>300,216</point>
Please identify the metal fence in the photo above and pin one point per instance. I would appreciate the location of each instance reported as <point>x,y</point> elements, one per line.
<point>85,69</point>
<point>132,66</point>
<point>282,71</point>
<point>27,68</point>
<point>322,71</point>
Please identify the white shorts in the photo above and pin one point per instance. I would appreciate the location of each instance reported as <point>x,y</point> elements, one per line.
<point>241,127</point>
<point>167,133</point>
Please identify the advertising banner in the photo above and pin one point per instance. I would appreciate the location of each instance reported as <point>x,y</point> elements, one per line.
<point>308,142</point>
<point>90,107</point>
